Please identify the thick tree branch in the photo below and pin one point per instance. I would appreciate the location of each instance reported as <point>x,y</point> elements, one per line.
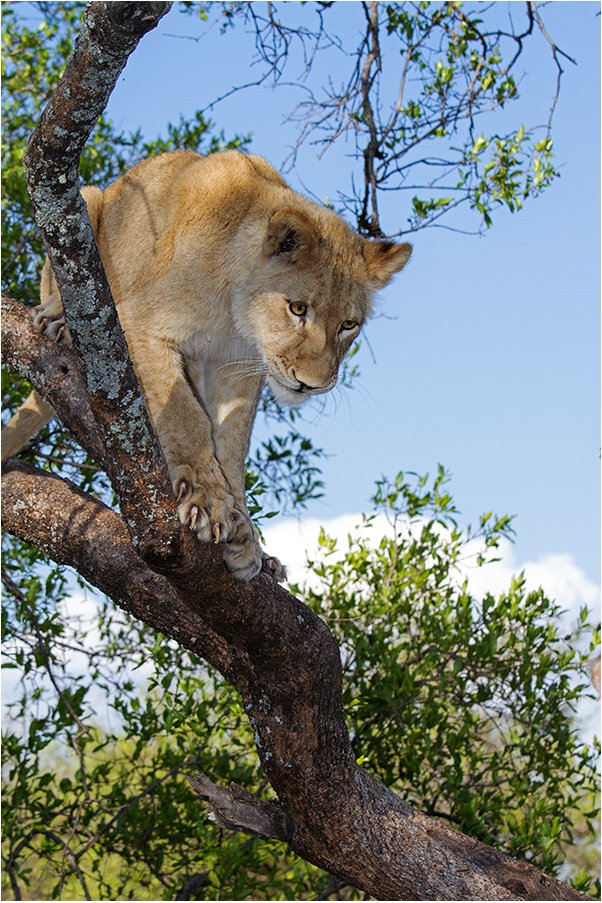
<point>109,33</point>
<point>77,530</point>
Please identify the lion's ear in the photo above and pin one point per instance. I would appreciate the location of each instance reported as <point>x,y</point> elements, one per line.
<point>290,235</point>
<point>384,259</point>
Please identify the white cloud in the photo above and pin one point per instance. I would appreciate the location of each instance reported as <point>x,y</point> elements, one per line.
<point>557,574</point>
<point>294,541</point>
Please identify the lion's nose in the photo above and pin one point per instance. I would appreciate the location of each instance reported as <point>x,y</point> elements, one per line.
<point>316,386</point>
<point>303,386</point>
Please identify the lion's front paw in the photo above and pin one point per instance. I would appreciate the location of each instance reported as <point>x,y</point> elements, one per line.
<point>208,510</point>
<point>49,319</point>
<point>212,513</point>
<point>242,554</point>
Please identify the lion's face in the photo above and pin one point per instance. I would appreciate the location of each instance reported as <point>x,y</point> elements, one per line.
<point>307,299</point>
<point>303,338</point>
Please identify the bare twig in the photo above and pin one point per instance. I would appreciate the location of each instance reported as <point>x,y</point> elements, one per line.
<point>556,52</point>
<point>369,222</point>
<point>68,854</point>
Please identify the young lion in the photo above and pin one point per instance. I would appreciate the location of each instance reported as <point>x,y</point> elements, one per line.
<point>223,278</point>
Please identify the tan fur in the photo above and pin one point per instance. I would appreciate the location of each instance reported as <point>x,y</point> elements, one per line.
<point>223,277</point>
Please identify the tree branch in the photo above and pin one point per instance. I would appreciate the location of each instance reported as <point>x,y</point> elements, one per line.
<point>109,34</point>
<point>77,530</point>
<point>55,372</point>
<point>372,149</point>
<point>236,809</point>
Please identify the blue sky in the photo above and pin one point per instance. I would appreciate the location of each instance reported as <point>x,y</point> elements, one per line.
<point>486,355</point>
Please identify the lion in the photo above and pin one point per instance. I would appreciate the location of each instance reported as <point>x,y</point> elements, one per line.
<point>224,279</point>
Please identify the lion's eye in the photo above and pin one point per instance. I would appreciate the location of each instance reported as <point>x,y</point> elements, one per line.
<point>298,308</point>
<point>348,324</point>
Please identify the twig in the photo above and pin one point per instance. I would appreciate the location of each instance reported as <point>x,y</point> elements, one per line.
<point>65,462</point>
<point>372,149</point>
<point>555,52</point>
<point>68,854</point>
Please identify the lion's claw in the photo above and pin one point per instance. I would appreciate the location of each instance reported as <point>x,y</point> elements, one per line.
<point>211,511</point>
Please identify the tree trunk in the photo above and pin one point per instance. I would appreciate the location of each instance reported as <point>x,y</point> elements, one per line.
<point>279,655</point>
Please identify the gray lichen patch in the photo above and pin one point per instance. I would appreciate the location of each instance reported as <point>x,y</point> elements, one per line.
<point>52,171</point>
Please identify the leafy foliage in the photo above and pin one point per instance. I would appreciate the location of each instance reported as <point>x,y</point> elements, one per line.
<point>96,804</point>
<point>460,705</point>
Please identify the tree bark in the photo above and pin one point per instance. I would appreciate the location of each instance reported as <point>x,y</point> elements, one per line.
<point>278,654</point>
<point>109,34</point>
